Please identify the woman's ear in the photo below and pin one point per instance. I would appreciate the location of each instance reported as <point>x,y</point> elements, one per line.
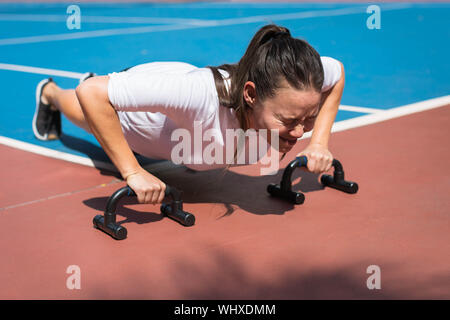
<point>250,93</point>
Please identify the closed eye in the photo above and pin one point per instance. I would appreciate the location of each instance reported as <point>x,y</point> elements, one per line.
<point>297,121</point>
<point>289,122</point>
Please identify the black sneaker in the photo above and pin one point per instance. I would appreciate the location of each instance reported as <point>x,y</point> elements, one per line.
<point>43,115</point>
<point>55,127</point>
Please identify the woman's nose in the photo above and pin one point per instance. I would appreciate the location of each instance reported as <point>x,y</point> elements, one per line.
<point>298,131</point>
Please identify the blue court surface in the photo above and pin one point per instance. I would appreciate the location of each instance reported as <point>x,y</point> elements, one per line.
<point>403,62</point>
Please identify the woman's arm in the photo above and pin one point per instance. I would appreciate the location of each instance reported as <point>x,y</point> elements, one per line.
<point>105,125</point>
<point>319,157</point>
<point>325,119</point>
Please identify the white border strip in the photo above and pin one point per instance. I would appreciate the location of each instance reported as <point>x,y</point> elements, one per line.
<point>51,72</point>
<point>163,165</point>
<point>25,146</point>
<point>97,19</point>
<point>360,109</point>
<point>92,34</point>
<point>306,14</point>
<point>387,115</point>
<point>391,114</point>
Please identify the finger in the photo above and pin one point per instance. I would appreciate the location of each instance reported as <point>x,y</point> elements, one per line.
<point>323,164</point>
<point>148,196</point>
<point>311,164</point>
<point>140,197</point>
<point>156,194</point>
<point>319,163</point>
<point>329,164</point>
<point>162,194</point>
<point>326,163</point>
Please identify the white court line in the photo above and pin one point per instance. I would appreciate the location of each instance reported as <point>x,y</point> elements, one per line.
<point>168,165</point>
<point>360,109</point>
<point>198,24</point>
<point>92,34</point>
<point>305,14</point>
<point>391,114</point>
<point>97,19</point>
<point>17,144</point>
<point>387,115</point>
<point>55,154</point>
<point>51,72</point>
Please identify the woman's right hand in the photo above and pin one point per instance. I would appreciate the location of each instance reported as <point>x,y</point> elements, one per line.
<point>147,187</point>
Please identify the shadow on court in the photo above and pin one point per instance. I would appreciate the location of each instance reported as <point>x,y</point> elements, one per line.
<point>225,276</point>
<point>96,154</point>
<point>216,186</point>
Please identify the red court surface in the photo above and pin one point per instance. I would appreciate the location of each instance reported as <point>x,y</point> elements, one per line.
<point>245,244</point>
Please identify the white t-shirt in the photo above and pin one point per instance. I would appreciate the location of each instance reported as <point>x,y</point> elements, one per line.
<point>154,99</point>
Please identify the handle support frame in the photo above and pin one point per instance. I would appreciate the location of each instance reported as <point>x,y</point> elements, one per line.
<point>174,210</point>
<point>284,189</point>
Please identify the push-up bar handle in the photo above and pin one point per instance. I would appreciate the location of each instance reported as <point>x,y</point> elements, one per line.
<point>174,210</point>
<point>284,189</point>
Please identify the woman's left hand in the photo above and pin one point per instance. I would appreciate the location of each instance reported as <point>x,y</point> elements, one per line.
<point>319,158</point>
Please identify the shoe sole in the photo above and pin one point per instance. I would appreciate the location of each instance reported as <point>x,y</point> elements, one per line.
<point>38,100</point>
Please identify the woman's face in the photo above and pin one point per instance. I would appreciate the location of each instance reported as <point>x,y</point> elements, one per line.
<point>291,111</point>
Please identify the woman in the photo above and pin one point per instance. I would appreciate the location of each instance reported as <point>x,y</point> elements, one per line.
<point>281,83</point>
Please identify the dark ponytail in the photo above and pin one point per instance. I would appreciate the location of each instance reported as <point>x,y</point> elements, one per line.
<point>272,56</point>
